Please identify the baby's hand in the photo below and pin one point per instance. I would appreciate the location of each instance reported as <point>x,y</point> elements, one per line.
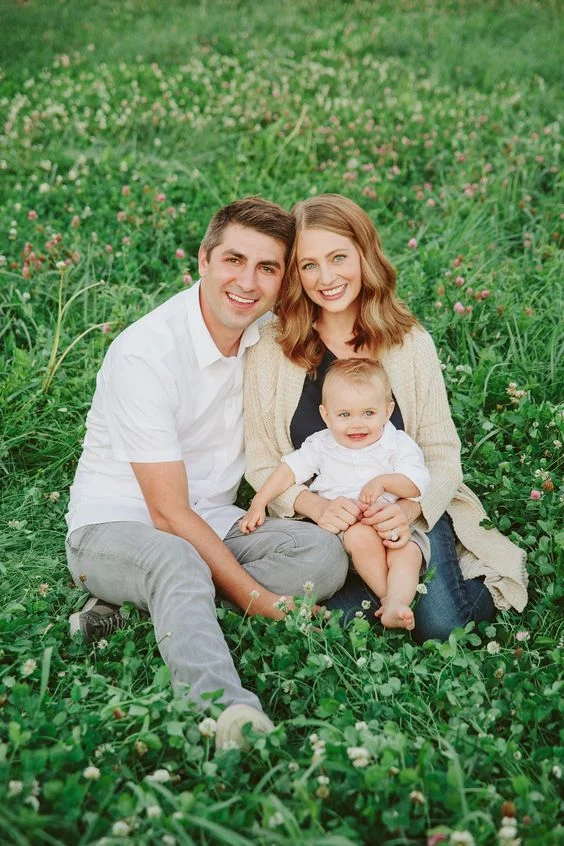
<point>372,491</point>
<point>254,518</point>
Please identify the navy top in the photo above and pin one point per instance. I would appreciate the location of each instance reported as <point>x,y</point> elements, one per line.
<point>307,419</point>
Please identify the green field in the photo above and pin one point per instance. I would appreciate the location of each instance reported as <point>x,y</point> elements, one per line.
<point>123,127</point>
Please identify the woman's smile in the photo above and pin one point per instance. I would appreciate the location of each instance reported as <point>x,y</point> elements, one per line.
<point>333,293</point>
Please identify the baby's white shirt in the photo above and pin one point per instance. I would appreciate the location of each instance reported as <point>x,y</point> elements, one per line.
<point>342,471</point>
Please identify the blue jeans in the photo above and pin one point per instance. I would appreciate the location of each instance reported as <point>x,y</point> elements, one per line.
<point>450,601</point>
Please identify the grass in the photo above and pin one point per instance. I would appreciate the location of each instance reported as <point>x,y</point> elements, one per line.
<point>442,120</point>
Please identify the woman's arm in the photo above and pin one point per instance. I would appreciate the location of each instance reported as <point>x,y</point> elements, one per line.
<point>263,449</point>
<point>436,434</point>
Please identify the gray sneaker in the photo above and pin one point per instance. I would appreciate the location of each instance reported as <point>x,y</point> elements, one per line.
<point>96,620</point>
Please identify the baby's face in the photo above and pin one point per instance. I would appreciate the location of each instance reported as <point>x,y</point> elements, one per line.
<point>356,413</point>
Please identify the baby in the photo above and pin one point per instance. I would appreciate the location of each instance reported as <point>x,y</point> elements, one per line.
<point>361,455</point>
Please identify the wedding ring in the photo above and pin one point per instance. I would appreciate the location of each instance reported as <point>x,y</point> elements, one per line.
<point>394,536</point>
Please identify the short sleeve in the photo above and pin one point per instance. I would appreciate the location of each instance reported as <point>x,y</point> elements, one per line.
<point>140,402</point>
<point>304,462</point>
<point>409,461</point>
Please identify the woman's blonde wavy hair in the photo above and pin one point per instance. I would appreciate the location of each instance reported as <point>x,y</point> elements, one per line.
<point>382,320</point>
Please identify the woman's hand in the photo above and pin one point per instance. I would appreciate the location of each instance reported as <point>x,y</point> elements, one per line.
<point>333,515</point>
<point>391,519</point>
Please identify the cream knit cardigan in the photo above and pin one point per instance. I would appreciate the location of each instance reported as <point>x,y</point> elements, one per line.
<point>273,386</point>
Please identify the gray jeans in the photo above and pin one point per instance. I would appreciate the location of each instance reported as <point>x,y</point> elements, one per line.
<point>164,575</point>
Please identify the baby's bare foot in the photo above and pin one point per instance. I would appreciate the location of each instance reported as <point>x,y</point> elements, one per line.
<point>395,614</point>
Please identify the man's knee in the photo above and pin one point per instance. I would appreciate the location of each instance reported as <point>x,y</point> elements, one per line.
<point>331,565</point>
<point>175,560</point>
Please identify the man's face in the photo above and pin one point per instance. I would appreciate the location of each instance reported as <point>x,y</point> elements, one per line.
<point>241,278</point>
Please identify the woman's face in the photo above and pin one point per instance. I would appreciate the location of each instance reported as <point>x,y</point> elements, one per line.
<point>329,268</point>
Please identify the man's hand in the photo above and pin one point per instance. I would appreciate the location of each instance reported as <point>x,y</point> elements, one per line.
<point>372,491</point>
<point>276,607</point>
<point>254,518</point>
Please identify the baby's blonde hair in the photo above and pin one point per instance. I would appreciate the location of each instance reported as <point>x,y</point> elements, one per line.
<point>359,370</point>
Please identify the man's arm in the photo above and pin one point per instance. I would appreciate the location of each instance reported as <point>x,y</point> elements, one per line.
<point>164,486</point>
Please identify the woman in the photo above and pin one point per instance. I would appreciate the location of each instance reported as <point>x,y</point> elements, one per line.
<point>339,301</point>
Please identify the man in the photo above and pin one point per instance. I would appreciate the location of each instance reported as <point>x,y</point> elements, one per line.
<point>151,516</point>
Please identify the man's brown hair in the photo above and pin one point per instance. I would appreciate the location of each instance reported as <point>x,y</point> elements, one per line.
<point>254,213</point>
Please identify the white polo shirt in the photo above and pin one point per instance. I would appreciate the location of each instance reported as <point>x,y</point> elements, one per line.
<point>342,471</point>
<point>164,393</point>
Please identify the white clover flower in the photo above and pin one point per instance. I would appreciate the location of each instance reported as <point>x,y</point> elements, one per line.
<point>360,725</point>
<point>207,727</point>
<point>359,615</point>
<point>323,779</point>
<point>169,840</point>
<point>54,496</point>
<point>417,797</point>
<point>361,661</point>
<point>293,767</point>
<point>556,771</point>
<point>28,667</point>
<point>360,762</point>
<point>322,792</point>
<point>254,594</point>
<point>230,744</point>
<point>357,753</point>
<point>275,820</point>
<point>14,788</point>
<point>103,749</point>
<point>313,738</point>
<point>15,524</point>
<point>365,604</point>
<point>154,812</point>
<point>91,773</point>
<point>461,838</point>
<point>421,588</point>
<point>282,604</point>
<point>33,801</point>
<point>507,832</point>
<point>159,776</point>
<point>120,829</point>
<point>308,588</point>
<point>328,661</point>
<point>493,647</point>
<point>43,589</point>
<point>318,755</point>
<point>102,643</point>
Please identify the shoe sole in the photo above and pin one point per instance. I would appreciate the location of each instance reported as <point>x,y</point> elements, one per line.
<point>74,619</point>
